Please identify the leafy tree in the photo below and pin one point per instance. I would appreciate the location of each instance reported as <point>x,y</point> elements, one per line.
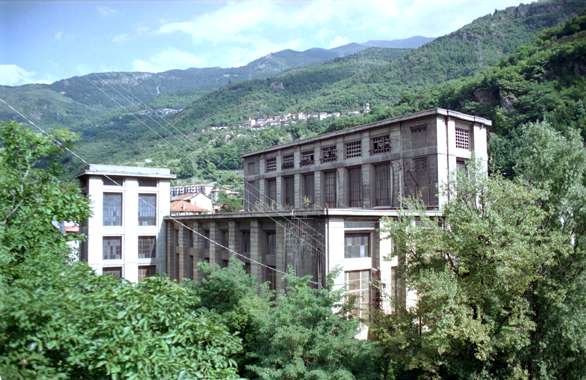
<point>60,320</point>
<point>473,275</point>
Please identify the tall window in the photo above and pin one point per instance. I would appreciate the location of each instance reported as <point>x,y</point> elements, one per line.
<point>271,243</point>
<point>308,190</point>
<point>112,271</point>
<point>288,162</point>
<point>147,209</point>
<point>189,266</point>
<point>245,242</point>
<point>112,209</point>
<point>358,292</point>
<point>147,247</point>
<point>288,191</point>
<point>355,187</point>
<point>380,144</point>
<point>271,164</point>
<point>461,166</point>
<point>112,248</point>
<point>356,245</point>
<point>307,158</point>
<point>330,189</point>
<point>251,168</point>
<point>382,191</point>
<point>145,271</point>
<point>419,136</point>
<point>328,153</point>
<point>271,192</point>
<point>251,194</point>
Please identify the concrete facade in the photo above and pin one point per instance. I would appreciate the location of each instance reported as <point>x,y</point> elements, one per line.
<point>317,205</point>
<point>126,184</point>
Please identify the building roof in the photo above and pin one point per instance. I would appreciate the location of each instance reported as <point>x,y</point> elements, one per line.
<point>359,128</point>
<point>126,171</point>
<point>183,206</point>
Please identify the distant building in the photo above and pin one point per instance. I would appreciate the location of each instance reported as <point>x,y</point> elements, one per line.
<point>198,203</point>
<point>126,234</point>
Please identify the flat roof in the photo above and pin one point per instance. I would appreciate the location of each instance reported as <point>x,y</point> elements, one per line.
<point>322,212</point>
<point>126,171</point>
<point>358,128</point>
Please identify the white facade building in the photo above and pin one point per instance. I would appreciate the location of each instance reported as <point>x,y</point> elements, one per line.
<point>126,234</point>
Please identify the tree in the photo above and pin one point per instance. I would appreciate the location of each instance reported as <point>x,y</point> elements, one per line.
<point>60,320</point>
<point>473,274</point>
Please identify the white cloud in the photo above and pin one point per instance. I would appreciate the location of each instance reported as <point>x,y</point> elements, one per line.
<point>167,60</point>
<point>57,36</point>
<point>13,75</point>
<point>105,11</point>
<point>125,37</point>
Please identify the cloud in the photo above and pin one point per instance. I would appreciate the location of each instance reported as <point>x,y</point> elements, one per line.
<point>125,37</point>
<point>167,59</point>
<point>57,36</point>
<point>105,11</point>
<point>14,75</point>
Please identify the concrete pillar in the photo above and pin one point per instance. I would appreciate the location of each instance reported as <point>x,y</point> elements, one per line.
<point>181,252</point>
<point>170,251</point>
<point>279,200</point>
<point>263,195</point>
<point>280,253</point>
<point>214,249</point>
<point>297,157</point>
<point>367,185</point>
<point>255,247</point>
<point>232,237</point>
<point>342,190</point>
<point>365,144</point>
<point>386,262</point>
<point>317,192</point>
<point>297,191</point>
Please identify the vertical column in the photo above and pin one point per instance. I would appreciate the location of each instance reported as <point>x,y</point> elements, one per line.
<point>196,250</point>
<point>170,250</point>
<point>232,238</point>
<point>342,191</point>
<point>255,255</point>
<point>181,254</point>
<point>279,200</point>
<point>214,235</point>
<point>367,185</point>
<point>262,194</point>
<point>280,255</point>
<point>297,191</point>
<point>317,192</point>
<point>365,144</point>
<point>386,262</point>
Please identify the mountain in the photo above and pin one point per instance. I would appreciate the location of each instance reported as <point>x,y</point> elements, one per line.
<point>406,43</point>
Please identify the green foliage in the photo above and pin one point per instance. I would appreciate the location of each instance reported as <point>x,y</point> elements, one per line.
<point>293,335</point>
<point>60,320</point>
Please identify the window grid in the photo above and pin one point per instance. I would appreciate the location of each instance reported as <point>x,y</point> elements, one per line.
<point>355,187</point>
<point>307,158</point>
<point>147,209</point>
<point>358,292</point>
<point>272,193</point>
<point>356,245</point>
<point>288,192</point>
<point>462,138</point>
<point>112,209</point>
<point>380,144</point>
<point>308,190</point>
<point>382,189</point>
<point>271,164</point>
<point>112,248</point>
<point>353,149</point>
<point>288,162</point>
<point>147,247</point>
<point>328,153</point>
<point>330,189</point>
<point>115,272</point>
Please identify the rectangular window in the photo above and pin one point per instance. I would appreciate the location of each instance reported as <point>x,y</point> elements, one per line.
<point>251,194</point>
<point>330,187</point>
<point>380,144</point>
<point>288,162</point>
<point>176,237</point>
<point>358,292</point>
<point>145,271</point>
<point>112,209</point>
<point>112,248</point>
<point>418,136</point>
<point>245,242</point>
<point>356,245</point>
<point>382,191</point>
<point>353,149</point>
<point>147,247</point>
<point>271,243</point>
<point>271,164</point>
<point>461,166</point>
<point>251,168</point>
<point>112,181</point>
<point>272,192</point>
<point>147,209</point>
<point>288,192</point>
<point>462,138</point>
<point>112,271</point>
<point>308,190</point>
<point>190,240</point>
<point>307,158</point>
<point>355,187</point>
<point>206,239</point>
<point>328,153</point>
<point>147,182</point>
<point>189,266</point>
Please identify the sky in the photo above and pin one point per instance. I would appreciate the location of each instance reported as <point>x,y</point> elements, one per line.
<point>44,41</point>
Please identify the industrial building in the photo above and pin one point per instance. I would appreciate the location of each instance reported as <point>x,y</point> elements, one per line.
<point>317,205</point>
